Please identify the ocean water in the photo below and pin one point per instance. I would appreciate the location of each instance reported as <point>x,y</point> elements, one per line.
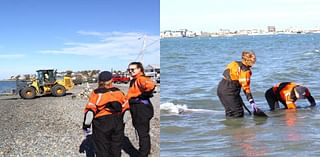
<point>7,86</point>
<point>193,122</point>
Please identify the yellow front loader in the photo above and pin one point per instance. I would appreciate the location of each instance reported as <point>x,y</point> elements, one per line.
<point>45,83</point>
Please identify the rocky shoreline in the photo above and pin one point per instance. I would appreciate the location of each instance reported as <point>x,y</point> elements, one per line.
<point>51,126</point>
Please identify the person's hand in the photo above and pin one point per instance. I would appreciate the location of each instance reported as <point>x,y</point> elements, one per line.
<point>253,106</point>
<point>87,131</point>
<point>84,126</point>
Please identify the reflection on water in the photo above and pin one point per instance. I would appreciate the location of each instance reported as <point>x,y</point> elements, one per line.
<point>192,117</point>
<point>244,140</point>
<point>290,117</point>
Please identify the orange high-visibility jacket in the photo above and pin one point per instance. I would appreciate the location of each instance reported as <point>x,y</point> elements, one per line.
<point>140,84</point>
<point>100,98</point>
<point>285,93</point>
<point>236,71</point>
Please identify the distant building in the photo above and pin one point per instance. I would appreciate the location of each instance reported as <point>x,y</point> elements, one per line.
<point>183,32</point>
<point>205,34</point>
<point>190,34</point>
<point>153,71</point>
<point>177,33</point>
<point>152,68</point>
<point>166,34</point>
<point>172,34</point>
<point>272,29</point>
<point>224,32</point>
<point>244,32</point>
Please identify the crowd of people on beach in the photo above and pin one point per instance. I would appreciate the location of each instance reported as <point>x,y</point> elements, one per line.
<point>237,76</point>
<point>105,113</point>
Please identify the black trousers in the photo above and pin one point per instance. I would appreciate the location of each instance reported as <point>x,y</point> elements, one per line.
<point>229,95</point>
<point>108,134</point>
<point>141,116</point>
<point>272,99</point>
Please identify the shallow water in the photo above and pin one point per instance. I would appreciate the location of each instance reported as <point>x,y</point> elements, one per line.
<point>7,86</point>
<point>192,117</point>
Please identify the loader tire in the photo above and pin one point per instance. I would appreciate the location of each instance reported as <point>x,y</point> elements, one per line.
<point>28,93</point>
<point>58,90</point>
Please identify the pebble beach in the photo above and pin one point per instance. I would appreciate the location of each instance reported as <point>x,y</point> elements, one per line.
<point>51,126</point>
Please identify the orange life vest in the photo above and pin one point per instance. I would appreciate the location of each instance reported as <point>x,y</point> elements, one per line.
<point>107,101</point>
<point>284,91</point>
<point>238,72</point>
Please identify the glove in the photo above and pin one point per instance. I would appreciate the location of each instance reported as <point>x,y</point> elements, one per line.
<point>253,105</point>
<point>85,127</point>
<point>145,102</point>
<point>87,131</point>
<point>87,146</point>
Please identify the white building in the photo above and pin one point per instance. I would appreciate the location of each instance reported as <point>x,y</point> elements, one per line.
<point>153,71</point>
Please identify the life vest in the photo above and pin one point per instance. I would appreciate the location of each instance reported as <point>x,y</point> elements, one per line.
<point>141,86</point>
<point>107,101</point>
<point>285,93</point>
<point>239,73</point>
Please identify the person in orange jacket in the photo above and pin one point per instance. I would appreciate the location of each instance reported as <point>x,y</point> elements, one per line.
<point>236,76</point>
<point>287,93</point>
<point>104,110</point>
<point>141,109</point>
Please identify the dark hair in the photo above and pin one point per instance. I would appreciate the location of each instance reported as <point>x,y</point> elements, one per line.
<point>102,84</point>
<point>139,65</point>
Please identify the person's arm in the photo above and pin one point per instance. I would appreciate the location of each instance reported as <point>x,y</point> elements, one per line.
<point>124,101</point>
<point>146,87</point>
<point>310,98</point>
<point>311,101</point>
<point>244,80</point>
<point>148,84</point>
<point>89,111</point>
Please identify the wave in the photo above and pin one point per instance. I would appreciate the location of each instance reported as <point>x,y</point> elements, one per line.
<point>312,52</point>
<point>180,109</point>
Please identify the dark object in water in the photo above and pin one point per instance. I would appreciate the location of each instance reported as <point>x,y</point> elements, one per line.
<point>258,112</point>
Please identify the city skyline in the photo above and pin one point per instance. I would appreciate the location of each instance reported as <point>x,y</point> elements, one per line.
<point>271,30</point>
<point>212,15</point>
<point>76,35</point>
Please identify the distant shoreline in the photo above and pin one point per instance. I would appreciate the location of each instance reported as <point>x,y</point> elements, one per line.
<point>176,36</point>
<point>7,80</point>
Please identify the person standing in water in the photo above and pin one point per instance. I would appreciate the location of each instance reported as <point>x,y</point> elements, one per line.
<point>236,76</point>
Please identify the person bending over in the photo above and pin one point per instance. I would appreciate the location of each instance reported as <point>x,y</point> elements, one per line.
<point>287,93</point>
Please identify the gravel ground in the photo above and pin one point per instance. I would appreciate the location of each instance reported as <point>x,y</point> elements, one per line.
<point>51,126</point>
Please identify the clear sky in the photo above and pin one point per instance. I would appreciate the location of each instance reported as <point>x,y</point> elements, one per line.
<point>76,34</point>
<point>212,15</point>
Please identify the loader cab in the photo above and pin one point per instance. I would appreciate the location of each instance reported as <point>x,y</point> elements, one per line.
<point>46,76</point>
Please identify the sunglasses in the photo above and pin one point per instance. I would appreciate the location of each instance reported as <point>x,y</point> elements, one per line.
<point>131,70</point>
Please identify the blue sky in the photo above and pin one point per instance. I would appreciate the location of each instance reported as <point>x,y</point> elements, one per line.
<point>212,15</point>
<point>76,35</point>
